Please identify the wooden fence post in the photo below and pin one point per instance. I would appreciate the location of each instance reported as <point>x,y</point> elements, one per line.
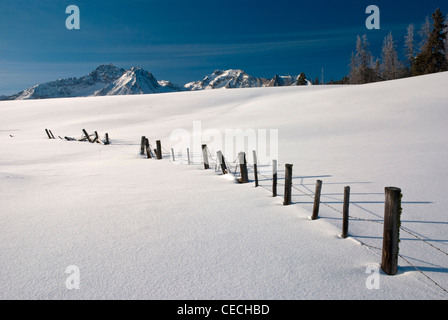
<point>172,154</point>
<point>243,168</point>
<point>142,145</point>
<point>254,153</point>
<point>288,184</point>
<point>107,139</point>
<point>205,157</point>
<point>188,156</point>
<point>148,150</point>
<point>159,149</point>
<point>274,178</point>
<point>222,162</point>
<point>317,200</point>
<point>87,135</point>
<point>52,134</point>
<point>345,212</point>
<point>391,235</point>
<point>96,138</point>
<point>48,133</point>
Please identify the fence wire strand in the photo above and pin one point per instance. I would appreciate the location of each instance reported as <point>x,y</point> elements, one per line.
<point>234,165</point>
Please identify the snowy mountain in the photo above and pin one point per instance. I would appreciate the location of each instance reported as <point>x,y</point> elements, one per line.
<point>107,80</point>
<point>232,78</point>
<point>170,85</point>
<point>72,87</point>
<point>136,81</point>
<point>280,81</point>
<point>239,79</point>
<point>104,80</point>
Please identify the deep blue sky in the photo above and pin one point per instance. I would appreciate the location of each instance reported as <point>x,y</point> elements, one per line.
<point>182,41</point>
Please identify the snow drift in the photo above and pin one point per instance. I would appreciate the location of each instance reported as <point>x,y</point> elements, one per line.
<point>146,229</point>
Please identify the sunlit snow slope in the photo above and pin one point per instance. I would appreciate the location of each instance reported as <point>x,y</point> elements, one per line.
<point>147,229</point>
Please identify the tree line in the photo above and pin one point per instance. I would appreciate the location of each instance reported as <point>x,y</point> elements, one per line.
<point>426,51</point>
<point>428,55</point>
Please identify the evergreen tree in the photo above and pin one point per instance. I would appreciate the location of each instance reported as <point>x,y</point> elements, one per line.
<point>424,33</point>
<point>446,39</point>
<point>390,66</point>
<point>409,44</point>
<point>433,58</point>
<point>378,70</point>
<point>361,66</point>
<point>301,80</point>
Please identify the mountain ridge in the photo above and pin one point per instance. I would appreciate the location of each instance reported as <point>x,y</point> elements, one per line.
<point>108,80</point>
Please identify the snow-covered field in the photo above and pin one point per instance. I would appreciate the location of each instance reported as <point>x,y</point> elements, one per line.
<point>146,229</point>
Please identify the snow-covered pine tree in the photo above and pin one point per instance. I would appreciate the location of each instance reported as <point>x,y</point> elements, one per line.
<point>409,44</point>
<point>362,66</point>
<point>433,58</point>
<point>424,33</point>
<point>390,66</point>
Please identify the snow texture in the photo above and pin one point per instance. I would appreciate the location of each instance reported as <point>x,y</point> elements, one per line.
<point>146,229</point>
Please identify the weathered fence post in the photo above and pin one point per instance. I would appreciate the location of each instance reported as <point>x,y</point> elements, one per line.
<point>222,162</point>
<point>391,235</point>
<point>48,133</point>
<point>317,200</point>
<point>188,156</point>
<point>172,154</point>
<point>345,212</point>
<point>159,149</point>
<point>96,137</point>
<point>243,168</point>
<point>142,145</point>
<point>205,156</point>
<point>288,184</point>
<point>148,149</point>
<point>255,167</point>
<point>274,178</point>
<point>107,139</point>
<point>87,135</point>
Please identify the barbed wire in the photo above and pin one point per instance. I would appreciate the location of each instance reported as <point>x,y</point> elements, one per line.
<point>408,262</point>
<point>424,274</point>
<point>367,220</point>
<point>233,164</point>
<point>382,223</point>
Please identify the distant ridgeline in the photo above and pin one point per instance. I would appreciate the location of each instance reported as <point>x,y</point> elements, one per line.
<point>108,80</point>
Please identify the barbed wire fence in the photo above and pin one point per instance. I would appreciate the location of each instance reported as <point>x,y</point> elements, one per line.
<point>233,168</point>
